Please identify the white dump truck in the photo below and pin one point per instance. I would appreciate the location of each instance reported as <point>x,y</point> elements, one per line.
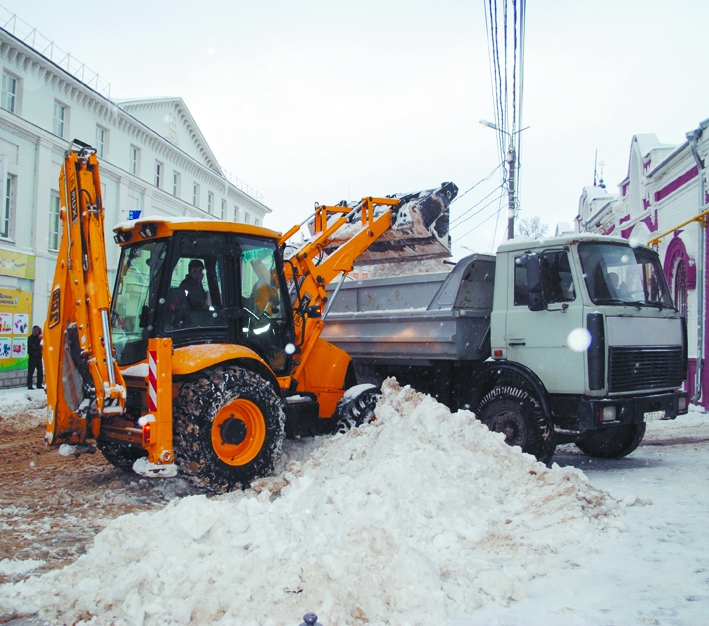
<point>571,339</point>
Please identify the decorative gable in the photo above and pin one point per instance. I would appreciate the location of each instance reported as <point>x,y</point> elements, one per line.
<point>170,118</point>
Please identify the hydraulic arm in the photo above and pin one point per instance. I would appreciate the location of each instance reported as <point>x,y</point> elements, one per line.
<point>83,379</point>
<point>343,235</point>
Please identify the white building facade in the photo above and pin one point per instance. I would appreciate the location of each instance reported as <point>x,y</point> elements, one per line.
<point>661,201</point>
<point>153,157</point>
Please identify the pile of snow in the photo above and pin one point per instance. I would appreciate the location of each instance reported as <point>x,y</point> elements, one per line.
<point>22,409</point>
<point>12,566</point>
<point>419,516</point>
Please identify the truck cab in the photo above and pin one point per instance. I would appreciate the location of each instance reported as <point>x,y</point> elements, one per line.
<point>593,318</point>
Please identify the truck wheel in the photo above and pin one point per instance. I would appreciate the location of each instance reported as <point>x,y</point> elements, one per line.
<point>228,428</point>
<point>518,414</point>
<point>120,456</point>
<point>356,407</point>
<point>612,442</point>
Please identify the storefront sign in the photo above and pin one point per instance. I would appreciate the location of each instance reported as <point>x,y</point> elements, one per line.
<point>17,264</point>
<point>15,310</point>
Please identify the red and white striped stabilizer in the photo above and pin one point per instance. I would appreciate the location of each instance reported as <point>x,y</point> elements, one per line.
<point>152,381</point>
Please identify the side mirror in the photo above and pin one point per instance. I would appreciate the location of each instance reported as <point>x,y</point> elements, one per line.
<point>534,283</point>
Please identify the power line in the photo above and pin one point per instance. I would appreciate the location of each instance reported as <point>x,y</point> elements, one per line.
<point>502,195</point>
<point>505,27</point>
<point>485,220</point>
<point>482,180</point>
<point>459,219</point>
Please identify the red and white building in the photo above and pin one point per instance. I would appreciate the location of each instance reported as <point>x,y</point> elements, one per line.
<point>661,202</point>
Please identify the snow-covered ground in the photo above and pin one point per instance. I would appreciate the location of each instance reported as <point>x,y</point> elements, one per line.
<point>421,517</point>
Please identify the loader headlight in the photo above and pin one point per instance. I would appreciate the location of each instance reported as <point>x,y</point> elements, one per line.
<point>122,236</point>
<point>148,230</point>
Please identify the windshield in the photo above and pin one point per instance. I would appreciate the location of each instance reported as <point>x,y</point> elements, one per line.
<point>617,273</point>
<point>136,291</point>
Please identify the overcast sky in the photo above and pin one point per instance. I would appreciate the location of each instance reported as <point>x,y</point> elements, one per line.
<point>324,100</point>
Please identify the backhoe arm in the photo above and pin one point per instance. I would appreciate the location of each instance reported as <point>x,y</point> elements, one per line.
<point>83,379</point>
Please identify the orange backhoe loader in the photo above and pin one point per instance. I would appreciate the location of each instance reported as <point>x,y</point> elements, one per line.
<point>209,351</point>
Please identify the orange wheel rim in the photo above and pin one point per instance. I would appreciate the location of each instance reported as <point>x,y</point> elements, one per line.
<point>238,432</point>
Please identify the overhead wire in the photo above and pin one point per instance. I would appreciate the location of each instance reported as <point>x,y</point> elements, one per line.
<point>458,221</point>
<point>507,77</point>
<point>482,180</point>
<point>485,220</point>
<point>522,30</point>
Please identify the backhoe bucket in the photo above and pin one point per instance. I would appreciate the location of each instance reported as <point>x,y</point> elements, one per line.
<point>419,228</point>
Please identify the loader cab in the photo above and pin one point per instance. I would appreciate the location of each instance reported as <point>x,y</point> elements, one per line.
<point>202,287</point>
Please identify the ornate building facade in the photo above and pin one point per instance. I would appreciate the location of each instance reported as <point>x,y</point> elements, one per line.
<point>662,201</point>
<point>155,161</point>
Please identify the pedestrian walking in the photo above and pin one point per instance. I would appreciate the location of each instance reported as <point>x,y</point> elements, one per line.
<point>34,349</point>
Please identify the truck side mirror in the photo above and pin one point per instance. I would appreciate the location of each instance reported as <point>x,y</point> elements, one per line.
<point>535,300</point>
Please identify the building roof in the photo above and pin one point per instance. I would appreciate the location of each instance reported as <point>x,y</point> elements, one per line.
<point>171,118</point>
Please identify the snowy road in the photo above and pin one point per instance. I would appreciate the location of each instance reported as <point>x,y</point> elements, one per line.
<point>657,572</point>
<point>646,563</point>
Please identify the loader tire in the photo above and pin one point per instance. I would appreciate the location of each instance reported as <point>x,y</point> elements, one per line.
<point>229,428</point>
<point>120,456</point>
<point>358,410</point>
<point>519,415</point>
<point>613,442</point>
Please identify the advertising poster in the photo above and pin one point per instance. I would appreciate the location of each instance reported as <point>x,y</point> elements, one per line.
<point>15,311</point>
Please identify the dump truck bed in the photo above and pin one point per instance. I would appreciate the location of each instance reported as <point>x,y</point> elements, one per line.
<point>429,316</point>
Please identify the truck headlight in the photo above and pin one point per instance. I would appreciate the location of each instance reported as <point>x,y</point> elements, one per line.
<point>607,413</point>
<point>682,403</point>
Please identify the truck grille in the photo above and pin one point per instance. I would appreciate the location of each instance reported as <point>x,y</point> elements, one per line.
<point>633,369</point>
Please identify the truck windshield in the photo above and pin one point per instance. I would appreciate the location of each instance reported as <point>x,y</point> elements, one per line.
<point>618,274</point>
<point>136,291</point>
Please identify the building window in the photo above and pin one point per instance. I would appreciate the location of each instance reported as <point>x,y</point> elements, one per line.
<point>195,195</point>
<point>246,217</point>
<point>257,221</point>
<point>8,207</point>
<point>134,160</point>
<point>9,92</point>
<point>159,169</point>
<point>210,202</point>
<point>176,184</point>
<point>223,209</point>
<point>60,119</point>
<point>54,223</point>
<point>101,137</point>
<point>236,213</point>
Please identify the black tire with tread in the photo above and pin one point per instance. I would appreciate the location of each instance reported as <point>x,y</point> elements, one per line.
<point>612,442</point>
<point>358,411</point>
<point>120,456</point>
<point>194,410</point>
<point>518,414</point>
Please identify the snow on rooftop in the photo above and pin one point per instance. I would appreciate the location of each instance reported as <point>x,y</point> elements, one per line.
<point>421,515</point>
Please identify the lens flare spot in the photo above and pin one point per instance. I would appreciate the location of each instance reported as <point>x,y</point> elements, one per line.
<point>579,340</point>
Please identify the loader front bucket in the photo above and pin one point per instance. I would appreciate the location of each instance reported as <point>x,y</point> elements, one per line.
<point>419,228</point>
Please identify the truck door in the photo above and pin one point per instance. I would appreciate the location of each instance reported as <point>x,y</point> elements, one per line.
<point>540,339</point>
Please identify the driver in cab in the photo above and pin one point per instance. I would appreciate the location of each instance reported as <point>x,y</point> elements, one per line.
<point>191,286</point>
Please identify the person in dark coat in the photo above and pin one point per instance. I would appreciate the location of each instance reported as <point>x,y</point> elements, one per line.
<point>191,286</point>
<point>34,349</point>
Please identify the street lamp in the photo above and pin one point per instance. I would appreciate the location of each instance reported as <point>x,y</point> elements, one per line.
<point>511,160</point>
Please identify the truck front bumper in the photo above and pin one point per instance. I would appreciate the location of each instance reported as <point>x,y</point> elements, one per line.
<point>607,412</point>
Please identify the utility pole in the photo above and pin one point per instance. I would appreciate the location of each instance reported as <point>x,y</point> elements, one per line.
<point>511,163</point>
<point>511,178</point>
